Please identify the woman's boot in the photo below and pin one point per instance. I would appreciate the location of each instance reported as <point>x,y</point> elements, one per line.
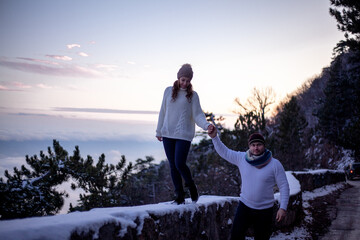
<point>193,192</point>
<point>179,198</point>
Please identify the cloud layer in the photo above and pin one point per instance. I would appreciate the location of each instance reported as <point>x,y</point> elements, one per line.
<point>39,126</point>
<point>104,110</point>
<point>59,57</point>
<point>61,70</point>
<point>13,86</point>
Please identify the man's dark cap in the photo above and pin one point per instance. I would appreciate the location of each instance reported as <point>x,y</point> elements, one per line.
<point>256,137</point>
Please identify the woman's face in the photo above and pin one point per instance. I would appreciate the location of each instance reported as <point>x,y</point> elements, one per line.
<point>184,82</point>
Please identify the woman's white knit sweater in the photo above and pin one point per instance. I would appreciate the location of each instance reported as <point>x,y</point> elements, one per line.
<point>257,185</point>
<point>177,118</point>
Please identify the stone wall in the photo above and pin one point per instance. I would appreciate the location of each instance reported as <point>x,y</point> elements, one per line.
<point>294,214</point>
<point>210,218</point>
<point>210,222</point>
<point>319,178</point>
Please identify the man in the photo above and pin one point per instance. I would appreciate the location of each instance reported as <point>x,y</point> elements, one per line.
<point>260,172</point>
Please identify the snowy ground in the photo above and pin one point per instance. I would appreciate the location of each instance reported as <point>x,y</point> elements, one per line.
<point>302,232</point>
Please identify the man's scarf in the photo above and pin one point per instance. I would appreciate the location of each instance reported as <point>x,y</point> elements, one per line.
<point>258,161</point>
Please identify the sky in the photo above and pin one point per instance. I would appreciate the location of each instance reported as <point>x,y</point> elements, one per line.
<point>81,71</point>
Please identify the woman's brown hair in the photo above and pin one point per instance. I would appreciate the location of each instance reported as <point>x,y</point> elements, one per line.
<point>184,71</point>
<point>176,88</point>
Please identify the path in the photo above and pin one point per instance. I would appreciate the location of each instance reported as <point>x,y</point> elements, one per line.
<point>346,226</point>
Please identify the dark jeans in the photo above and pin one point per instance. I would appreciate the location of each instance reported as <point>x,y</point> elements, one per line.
<point>176,152</point>
<point>260,219</point>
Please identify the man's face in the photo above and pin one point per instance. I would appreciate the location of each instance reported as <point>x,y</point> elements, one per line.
<point>257,148</point>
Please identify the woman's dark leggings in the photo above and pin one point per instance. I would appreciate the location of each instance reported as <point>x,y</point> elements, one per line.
<point>260,219</point>
<point>176,151</point>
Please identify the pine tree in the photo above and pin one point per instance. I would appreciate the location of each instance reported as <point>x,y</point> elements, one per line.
<point>337,106</point>
<point>102,183</point>
<point>212,174</point>
<point>347,128</point>
<point>150,183</point>
<point>32,192</point>
<point>347,14</point>
<point>289,146</point>
<point>351,128</point>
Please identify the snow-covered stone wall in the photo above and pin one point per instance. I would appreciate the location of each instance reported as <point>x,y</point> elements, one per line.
<point>310,180</point>
<point>210,218</point>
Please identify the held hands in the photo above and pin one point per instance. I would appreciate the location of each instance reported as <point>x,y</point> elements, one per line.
<point>281,214</point>
<point>212,131</point>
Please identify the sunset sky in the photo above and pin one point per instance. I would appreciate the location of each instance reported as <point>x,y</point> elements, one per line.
<point>85,70</point>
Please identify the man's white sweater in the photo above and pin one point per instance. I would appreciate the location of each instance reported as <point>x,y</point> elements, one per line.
<point>177,118</point>
<point>257,184</point>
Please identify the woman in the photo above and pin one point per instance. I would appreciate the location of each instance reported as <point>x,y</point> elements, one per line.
<point>179,112</point>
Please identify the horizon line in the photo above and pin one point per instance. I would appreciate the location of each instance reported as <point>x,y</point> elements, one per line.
<point>103,110</point>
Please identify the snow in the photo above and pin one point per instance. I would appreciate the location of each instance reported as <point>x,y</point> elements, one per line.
<point>61,226</point>
<point>297,234</point>
<point>319,192</point>
<point>319,171</point>
<point>346,159</point>
<point>294,185</point>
